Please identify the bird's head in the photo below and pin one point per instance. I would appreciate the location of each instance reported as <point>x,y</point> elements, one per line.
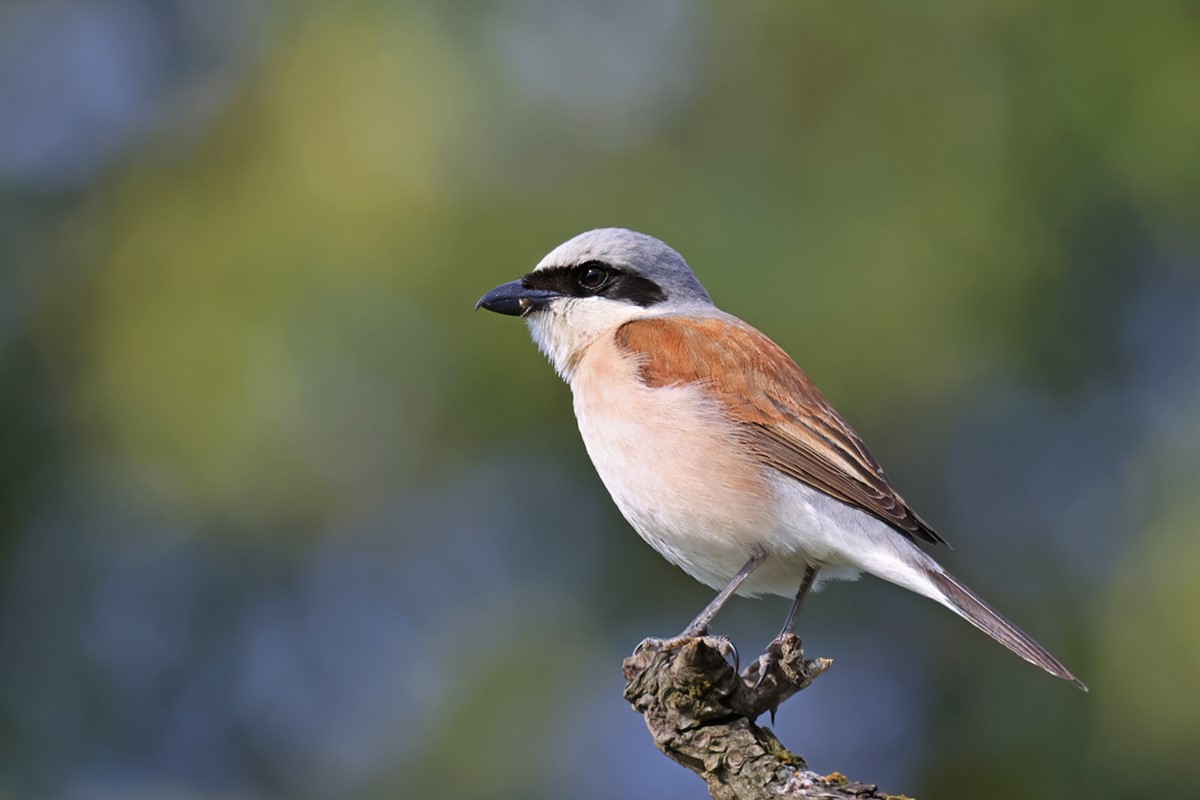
<point>591,285</point>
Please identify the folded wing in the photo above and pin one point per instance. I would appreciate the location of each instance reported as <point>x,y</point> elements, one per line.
<point>785,419</point>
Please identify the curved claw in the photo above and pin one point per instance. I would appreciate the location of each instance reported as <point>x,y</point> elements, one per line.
<point>646,644</point>
<point>766,662</point>
<point>723,645</point>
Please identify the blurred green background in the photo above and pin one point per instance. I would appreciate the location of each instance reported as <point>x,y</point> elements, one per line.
<point>281,517</point>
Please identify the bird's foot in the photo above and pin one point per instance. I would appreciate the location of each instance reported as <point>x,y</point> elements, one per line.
<point>722,644</point>
<point>772,660</point>
<point>774,666</point>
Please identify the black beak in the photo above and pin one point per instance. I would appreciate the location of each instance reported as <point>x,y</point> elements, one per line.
<point>515,299</point>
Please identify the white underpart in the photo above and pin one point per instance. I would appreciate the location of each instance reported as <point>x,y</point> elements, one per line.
<point>846,540</point>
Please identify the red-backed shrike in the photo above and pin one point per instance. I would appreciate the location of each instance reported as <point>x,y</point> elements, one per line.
<point>715,445</point>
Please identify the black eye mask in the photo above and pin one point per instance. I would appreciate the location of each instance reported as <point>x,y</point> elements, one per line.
<point>596,279</point>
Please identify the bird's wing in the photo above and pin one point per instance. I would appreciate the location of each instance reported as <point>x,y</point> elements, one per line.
<point>785,419</point>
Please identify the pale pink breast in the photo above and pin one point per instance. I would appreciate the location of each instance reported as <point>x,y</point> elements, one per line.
<point>669,459</point>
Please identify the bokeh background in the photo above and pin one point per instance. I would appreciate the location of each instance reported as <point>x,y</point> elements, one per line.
<point>282,517</point>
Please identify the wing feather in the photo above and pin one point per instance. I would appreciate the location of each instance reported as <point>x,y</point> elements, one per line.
<point>785,419</point>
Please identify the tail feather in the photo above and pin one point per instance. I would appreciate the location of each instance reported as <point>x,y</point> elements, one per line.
<point>975,611</point>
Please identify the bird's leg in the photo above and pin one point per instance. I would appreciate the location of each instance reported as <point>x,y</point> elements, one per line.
<point>789,624</point>
<point>774,650</point>
<point>699,626</point>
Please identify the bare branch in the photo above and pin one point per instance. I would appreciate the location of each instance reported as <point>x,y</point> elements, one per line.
<point>701,713</point>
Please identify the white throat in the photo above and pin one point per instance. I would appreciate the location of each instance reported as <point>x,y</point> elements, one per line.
<point>565,330</point>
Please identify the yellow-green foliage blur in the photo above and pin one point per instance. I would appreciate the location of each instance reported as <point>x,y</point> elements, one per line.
<point>281,516</point>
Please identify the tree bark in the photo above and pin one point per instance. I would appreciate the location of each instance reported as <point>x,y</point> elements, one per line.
<point>702,714</point>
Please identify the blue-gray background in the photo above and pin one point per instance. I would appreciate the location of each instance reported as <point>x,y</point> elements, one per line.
<point>280,516</point>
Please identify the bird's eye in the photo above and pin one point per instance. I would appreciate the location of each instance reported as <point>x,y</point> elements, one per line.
<point>593,278</point>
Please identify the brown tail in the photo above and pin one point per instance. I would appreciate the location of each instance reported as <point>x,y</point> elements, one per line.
<point>988,620</point>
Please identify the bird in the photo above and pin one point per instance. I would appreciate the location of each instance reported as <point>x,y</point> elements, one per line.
<point>715,445</point>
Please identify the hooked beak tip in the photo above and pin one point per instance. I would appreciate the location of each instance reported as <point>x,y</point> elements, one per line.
<point>515,299</point>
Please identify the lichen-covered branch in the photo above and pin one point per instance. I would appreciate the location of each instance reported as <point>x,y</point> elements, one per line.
<point>702,714</point>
